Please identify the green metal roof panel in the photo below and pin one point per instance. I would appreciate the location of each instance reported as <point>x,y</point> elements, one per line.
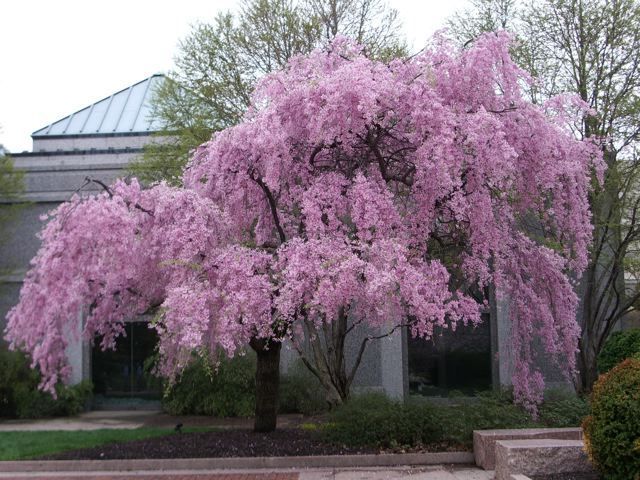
<point>126,111</point>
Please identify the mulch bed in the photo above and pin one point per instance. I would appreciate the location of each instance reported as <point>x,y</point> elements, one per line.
<point>227,443</point>
<point>568,476</point>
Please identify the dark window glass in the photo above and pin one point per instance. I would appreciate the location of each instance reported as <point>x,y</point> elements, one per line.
<point>452,360</point>
<point>121,372</point>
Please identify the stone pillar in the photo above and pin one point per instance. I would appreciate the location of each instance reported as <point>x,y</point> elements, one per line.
<point>394,365</point>
<point>76,352</point>
<point>502,361</point>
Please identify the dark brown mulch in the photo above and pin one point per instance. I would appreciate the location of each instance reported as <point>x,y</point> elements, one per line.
<point>568,476</point>
<point>227,443</point>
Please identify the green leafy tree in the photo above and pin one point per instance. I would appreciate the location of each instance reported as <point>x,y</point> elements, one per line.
<point>591,48</point>
<point>218,65</point>
<point>11,187</point>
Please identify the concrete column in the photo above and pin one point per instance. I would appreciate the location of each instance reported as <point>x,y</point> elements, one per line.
<point>500,343</point>
<point>75,351</point>
<point>394,365</point>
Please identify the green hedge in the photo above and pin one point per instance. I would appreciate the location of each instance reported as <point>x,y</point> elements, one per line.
<point>225,391</point>
<point>20,397</point>
<point>618,347</point>
<point>229,389</point>
<point>612,431</point>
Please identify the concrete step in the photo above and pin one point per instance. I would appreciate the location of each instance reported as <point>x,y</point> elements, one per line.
<point>484,441</point>
<point>540,457</point>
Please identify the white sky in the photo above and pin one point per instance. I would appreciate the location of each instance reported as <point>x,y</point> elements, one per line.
<point>58,56</point>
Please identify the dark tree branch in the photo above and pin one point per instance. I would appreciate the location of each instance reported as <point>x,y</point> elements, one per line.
<point>272,204</point>
<point>110,193</point>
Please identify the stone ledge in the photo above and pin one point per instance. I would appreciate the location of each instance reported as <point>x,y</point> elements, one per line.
<point>540,457</point>
<point>328,461</point>
<point>484,441</point>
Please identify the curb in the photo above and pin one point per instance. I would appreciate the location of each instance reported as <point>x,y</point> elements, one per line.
<point>328,461</point>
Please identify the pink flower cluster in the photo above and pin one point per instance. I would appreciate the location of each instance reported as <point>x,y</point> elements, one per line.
<point>394,191</point>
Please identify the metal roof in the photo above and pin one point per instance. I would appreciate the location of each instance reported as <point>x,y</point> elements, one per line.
<point>126,111</point>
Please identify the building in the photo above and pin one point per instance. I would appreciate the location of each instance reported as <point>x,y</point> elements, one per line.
<point>99,141</point>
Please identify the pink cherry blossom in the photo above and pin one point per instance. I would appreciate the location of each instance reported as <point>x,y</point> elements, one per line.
<point>397,192</point>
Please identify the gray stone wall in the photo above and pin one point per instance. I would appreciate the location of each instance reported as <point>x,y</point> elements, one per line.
<point>384,363</point>
<point>87,142</point>
<point>55,178</point>
<point>51,178</point>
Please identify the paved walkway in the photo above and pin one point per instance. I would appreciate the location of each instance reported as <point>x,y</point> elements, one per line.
<point>426,473</point>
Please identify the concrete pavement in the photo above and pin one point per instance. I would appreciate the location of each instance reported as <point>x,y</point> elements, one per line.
<point>398,473</point>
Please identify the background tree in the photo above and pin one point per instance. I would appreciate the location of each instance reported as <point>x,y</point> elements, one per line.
<point>591,48</point>
<point>370,23</point>
<point>332,199</point>
<point>218,65</point>
<point>483,16</point>
<point>11,187</point>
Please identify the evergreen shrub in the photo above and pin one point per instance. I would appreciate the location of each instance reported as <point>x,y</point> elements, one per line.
<point>612,431</point>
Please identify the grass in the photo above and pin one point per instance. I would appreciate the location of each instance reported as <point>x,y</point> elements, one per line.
<point>25,445</point>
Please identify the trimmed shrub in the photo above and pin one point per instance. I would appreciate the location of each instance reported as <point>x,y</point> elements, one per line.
<point>612,431</point>
<point>374,420</point>
<point>618,347</point>
<point>20,397</point>
<point>301,392</point>
<point>71,400</point>
<point>225,391</point>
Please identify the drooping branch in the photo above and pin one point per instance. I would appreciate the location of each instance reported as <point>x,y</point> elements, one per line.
<point>110,193</point>
<point>272,204</point>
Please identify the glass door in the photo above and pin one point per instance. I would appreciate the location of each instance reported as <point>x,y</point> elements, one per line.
<point>121,372</point>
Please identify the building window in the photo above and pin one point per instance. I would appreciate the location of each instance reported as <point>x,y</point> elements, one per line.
<point>457,360</point>
<point>121,372</point>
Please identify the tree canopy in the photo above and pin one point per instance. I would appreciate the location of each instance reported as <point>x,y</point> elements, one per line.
<point>590,48</point>
<point>219,63</point>
<point>11,188</point>
<point>338,192</point>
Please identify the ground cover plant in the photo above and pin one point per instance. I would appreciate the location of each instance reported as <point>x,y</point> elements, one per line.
<point>353,191</point>
<point>374,420</point>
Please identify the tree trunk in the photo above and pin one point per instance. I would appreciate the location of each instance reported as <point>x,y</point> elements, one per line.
<point>587,368</point>
<point>602,290</point>
<point>267,383</point>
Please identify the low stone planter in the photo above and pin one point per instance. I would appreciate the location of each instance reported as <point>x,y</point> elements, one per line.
<point>540,457</point>
<point>484,441</point>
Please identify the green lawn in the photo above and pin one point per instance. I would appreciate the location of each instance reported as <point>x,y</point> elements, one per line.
<point>24,445</point>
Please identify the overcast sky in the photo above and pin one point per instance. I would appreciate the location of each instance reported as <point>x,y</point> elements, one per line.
<point>57,57</point>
